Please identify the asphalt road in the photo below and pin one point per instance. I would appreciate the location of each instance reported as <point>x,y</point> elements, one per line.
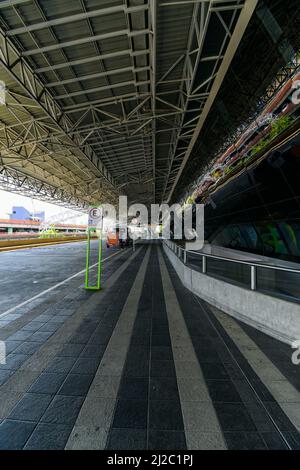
<point>26,273</point>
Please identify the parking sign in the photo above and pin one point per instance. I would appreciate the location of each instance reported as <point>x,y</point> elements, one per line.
<point>95,217</point>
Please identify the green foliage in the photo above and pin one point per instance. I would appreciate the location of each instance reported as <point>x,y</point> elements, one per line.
<point>49,233</point>
<point>277,127</point>
<point>280,125</point>
<point>262,144</point>
<point>190,200</point>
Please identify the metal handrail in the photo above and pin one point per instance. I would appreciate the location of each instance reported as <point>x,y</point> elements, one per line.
<point>249,263</point>
<point>177,249</point>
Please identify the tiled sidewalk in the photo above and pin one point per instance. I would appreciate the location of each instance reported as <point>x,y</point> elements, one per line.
<point>143,365</point>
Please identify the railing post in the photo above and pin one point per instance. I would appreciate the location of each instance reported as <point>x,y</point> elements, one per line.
<point>204,264</point>
<point>184,257</point>
<point>253,278</point>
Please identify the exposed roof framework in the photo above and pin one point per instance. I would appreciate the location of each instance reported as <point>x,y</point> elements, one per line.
<point>109,97</point>
<point>251,81</point>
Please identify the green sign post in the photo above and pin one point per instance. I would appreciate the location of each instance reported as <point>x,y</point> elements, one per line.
<point>95,220</point>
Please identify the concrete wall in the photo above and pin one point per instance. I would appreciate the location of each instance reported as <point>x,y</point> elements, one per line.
<point>273,316</point>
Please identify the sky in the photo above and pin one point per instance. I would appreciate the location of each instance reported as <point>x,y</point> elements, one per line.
<point>8,200</point>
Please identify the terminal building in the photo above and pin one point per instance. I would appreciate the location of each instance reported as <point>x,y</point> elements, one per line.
<point>20,213</point>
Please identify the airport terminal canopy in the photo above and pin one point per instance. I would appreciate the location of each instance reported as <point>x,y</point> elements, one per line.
<point>108,98</point>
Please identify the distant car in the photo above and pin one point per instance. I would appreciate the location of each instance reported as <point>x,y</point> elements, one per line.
<point>112,238</point>
<point>115,237</point>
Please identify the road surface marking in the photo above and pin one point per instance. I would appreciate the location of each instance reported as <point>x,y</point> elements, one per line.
<point>54,287</point>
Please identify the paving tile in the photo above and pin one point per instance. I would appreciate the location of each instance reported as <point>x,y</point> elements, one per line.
<point>131,414</point>
<point>26,348</point>
<point>137,367</point>
<point>234,372</point>
<point>293,439</point>
<point>161,340</point>
<point>140,352</point>
<point>244,441</point>
<point>197,440</point>
<point>14,434</point>
<point>234,417</point>
<point>12,345</point>
<point>127,439</point>
<point>260,417</point>
<point>49,327</point>
<point>283,391</point>
<point>262,390</point>
<point>162,369</point>
<point>4,374</point>
<point>49,437</point>
<point>61,364</point>
<point>292,410</point>
<point>134,388</point>
<point>20,336</point>
<point>109,367</point>
<point>279,415</point>
<point>31,407</point>
<point>40,336</point>
<point>162,353</point>
<point>187,369</point>
<point>214,371</point>
<point>200,416</point>
<point>20,381</point>
<point>87,438</point>
<point>98,339</point>
<point>96,412</point>
<point>223,391</point>
<point>8,402</point>
<point>63,410</point>
<point>76,385</point>
<point>245,391</point>
<point>163,388</point>
<point>71,350</point>
<point>206,355</point>
<point>93,350</point>
<point>193,390</point>
<point>105,386</point>
<point>165,415</point>
<point>58,319</point>
<point>32,326</point>
<point>86,365</point>
<point>274,441</point>
<point>14,361</point>
<point>48,383</point>
<point>166,440</point>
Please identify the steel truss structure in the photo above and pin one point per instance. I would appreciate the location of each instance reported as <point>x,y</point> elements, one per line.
<point>109,97</point>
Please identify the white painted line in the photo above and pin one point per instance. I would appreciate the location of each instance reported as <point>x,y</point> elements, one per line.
<point>54,287</point>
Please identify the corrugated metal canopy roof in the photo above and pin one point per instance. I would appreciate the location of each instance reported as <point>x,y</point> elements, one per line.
<point>107,97</point>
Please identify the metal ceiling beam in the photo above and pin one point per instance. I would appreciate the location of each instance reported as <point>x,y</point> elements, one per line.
<point>16,66</point>
<point>12,3</point>
<point>103,88</point>
<point>84,40</point>
<point>242,23</point>
<point>108,73</point>
<point>87,60</point>
<point>76,17</point>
